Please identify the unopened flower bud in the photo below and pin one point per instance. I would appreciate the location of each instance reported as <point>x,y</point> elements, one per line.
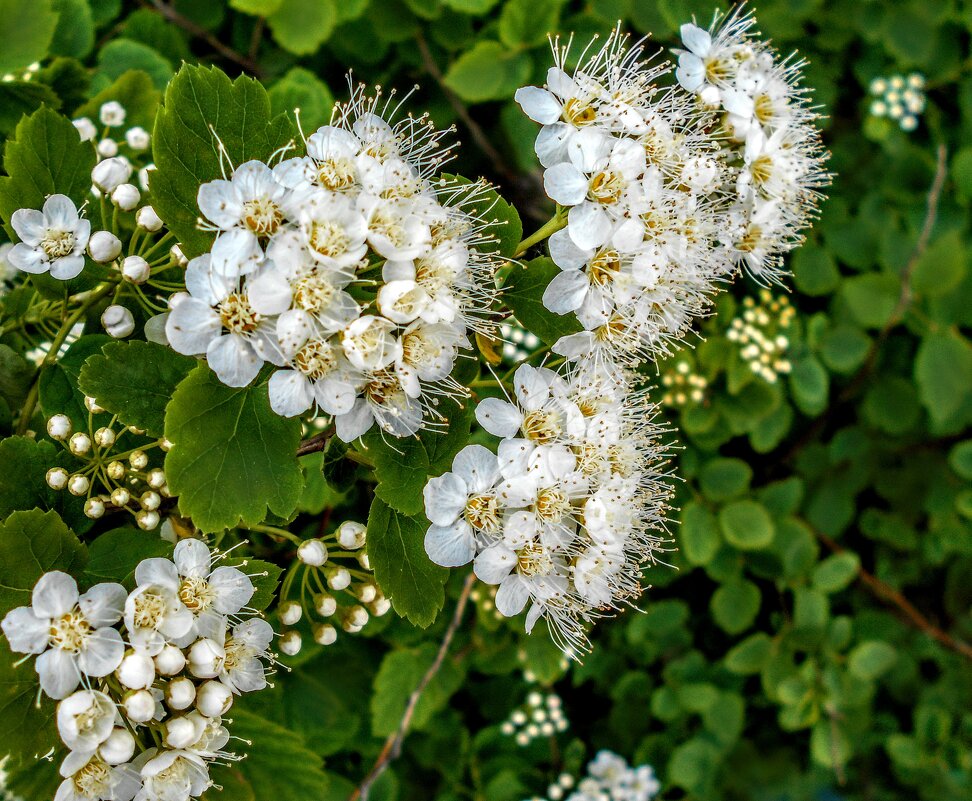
<point>290,612</point>
<point>78,485</point>
<point>138,460</point>
<point>364,561</point>
<point>94,508</point>
<point>165,445</point>
<point>104,437</point>
<point>117,321</point>
<point>136,671</point>
<point>150,500</point>
<point>137,138</point>
<point>136,270</point>
<point>92,405</point>
<point>86,129</point>
<point>338,578</point>
<point>111,173</point>
<point>112,114</point>
<point>312,552</point>
<point>126,196</point>
<point>107,148</point>
<point>139,706</point>
<point>147,520</point>
<point>59,427</point>
<point>180,693</point>
<point>365,593</point>
<point>290,643</point>
<point>121,496</point>
<point>169,661</point>
<point>144,175</point>
<point>147,218</point>
<point>138,431</point>
<point>178,256</point>
<point>379,606</point>
<point>118,748</point>
<point>356,616</point>
<point>205,658</point>
<point>351,535</point>
<point>104,246</point>
<point>325,634</point>
<point>180,732</point>
<point>57,478</point>
<point>325,605</point>
<point>79,444</point>
<point>115,470</point>
<point>214,699</point>
<point>155,477</point>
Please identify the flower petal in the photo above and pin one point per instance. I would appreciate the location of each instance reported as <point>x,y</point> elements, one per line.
<point>103,604</point>
<point>477,467</point>
<point>102,652</point>
<point>192,558</point>
<point>25,632</point>
<point>538,104</point>
<point>55,594</point>
<point>58,673</point>
<point>445,498</point>
<point>235,363</point>
<point>450,546</point>
<point>565,184</point>
<point>494,564</point>
<point>498,417</point>
<point>512,595</point>
<point>233,589</point>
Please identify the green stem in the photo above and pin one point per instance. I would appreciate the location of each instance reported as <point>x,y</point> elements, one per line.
<point>276,532</point>
<point>554,224</point>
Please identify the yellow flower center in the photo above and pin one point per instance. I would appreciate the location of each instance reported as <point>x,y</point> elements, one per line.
<point>482,512</point>
<point>196,594</point>
<point>236,314</point>
<point>70,631</point>
<point>262,217</point>
<point>58,243</point>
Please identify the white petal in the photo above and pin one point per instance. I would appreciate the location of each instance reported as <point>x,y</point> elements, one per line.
<point>531,386</point>
<point>450,546</point>
<point>157,571</point>
<point>519,529</point>
<point>356,422</point>
<point>102,652</point>
<point>574,346</point>
<point>268,292</point>
<point>445,498</point>
<point>477,467</point>
<point>55,594</point>
<point>103,604</point>
<point>290,393</point>
<point>28,259</point>
<point>25,632</point>
<point>565,254</point>
<point>220,204</point>
<point>512,596</point>
<point>494,564</point>
<point>192,326</point>
<point>192,558</point>
<point>233,589</point>
<point>60,212</point>
<point>538,104</point>
<point>236,252</point>
<point>335,396</point>
<point>551,144</point>
<point>513,456</point>
<point>498,417</point>
<point>566,291</point>
<point>589,225</point>
<point>204,284</point>
<point>29,225</point>
<point>565,184</point>
<point>255,632</point>
<point>696,39</point>
<point>235,363</point>
<point>67,267</point>
<point>58,673</point>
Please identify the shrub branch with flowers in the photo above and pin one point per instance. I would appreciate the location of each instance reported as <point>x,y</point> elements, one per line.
<point>273,376</point>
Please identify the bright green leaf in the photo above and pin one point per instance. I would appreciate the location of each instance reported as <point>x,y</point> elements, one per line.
<point>746,525</point>
<point>26,30</point>
<point>871,659</point>
<point>488,71</point>
<point>114,555</point>
<point>302,26</point>
<point>735,605</point>
<point>836,572</point>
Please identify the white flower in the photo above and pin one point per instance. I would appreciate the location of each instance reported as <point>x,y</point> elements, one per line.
<point>111,173</point>
<point>242,668</point>
<point>154,613</point>
<point>137,138</point>
<point>117,321</point>
<point>52,240</point>
<point>171,775</point>
<point>384,400</point>
<point>85,719</point>
<point>112,114</point>
<point>86,129</point>
<point>71,634</point>
<point>88,777</point>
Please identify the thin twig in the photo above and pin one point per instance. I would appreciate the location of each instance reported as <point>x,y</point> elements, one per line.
<point>393,745</point>
<point>255,37</point>
<point>888,594</point>
<point>316,443</point>
<point>211,39</point>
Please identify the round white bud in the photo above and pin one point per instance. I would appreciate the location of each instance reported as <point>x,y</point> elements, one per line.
<point>338,578</point>
<point>148,219</point>
<point>111,173</point>
<point>139,706</point>
<point>165,445</point>
<point>137,138</point>
<point>117,321</point>
<point>126,196</point>
<point>290,642</point>
<point>180,693</point>
<point>147,519</point>
<point>104,437</point>
<point>57,478</point>
<point>136,671</point>
<point>118,748</point>
<point>169,661</point>
<point>104,246</point>
<point>356,616</point>
<point>312,552</point>
<point>150,500</point>
<point>156,477</point>
<point>351,535</point>
<point>365,593</point>
<point>175,252</point>
<point>364,561</point>
<point>325,634</point>
<point>144,176</point>
<point>112,114</point>
<point>379,606</point>
<point>59,427</point>
<point>107,148</point>
<point>180,732</point>
<point>79,444</point>
<point>121,496</point>
<point>78,485</point>
<point>92,405</point>
<point>214,699</point>
<point>94,508</point>
<point>290,612</point>
<point>205,659</point>
<point>136,270</point>
<point>86,129</point>
<point>325,605</point>
<point>138,459</point>
<point>115,470</point>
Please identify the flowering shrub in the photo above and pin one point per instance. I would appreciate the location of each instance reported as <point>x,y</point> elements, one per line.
<point>635,468</point>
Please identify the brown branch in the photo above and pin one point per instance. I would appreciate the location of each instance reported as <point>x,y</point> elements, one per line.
<point>209,38</point>
<point>393,745</point>
<point>255,37</point>
<point>891,596</point>
<point>316,443</point>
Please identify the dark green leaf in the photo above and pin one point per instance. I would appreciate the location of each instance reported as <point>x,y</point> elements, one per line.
<point>746,525</point>
<point>26,30</point>
<point>114,555</point>
<point>523,293</point>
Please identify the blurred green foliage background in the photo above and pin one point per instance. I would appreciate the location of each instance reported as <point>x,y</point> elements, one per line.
<point>813,640</point>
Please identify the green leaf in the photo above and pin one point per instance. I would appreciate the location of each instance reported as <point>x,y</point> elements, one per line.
<point>20,712</point>
<point>114,555</point>
<point>232,457</point>
<point>941,268</point>
<point>844,347</point>
<point>185,149</point>
<point>960,459</point>
<point>23,483</point>
<point>693,763</point>
<point>135,380</point>
<point>751,655</point>
<point>302,26</point>
<point>59,392</point>
<point>526,23</point>
<point>476,7</point>
<point>735,605</point>
<point>136,93</point>
<point>399,675</point>
<point>18,98</point>
<point>489,206</point>
<point>810,385</point>
<point>265,577</point>
<point>836,572</point>
<point>487,71</point>
<point>396,548</point>
<point>74,35</point>
<point>871,298</point>
<point>698,536</point>
<point>123,55</point>
<point>523,293</point>
<point>815,271</point>
<point>871,659</point>
<point>943,371</point>
<point>403,466</point>
<point>259,8</point>
<point>746,525</point>
<point>31,544</point>
<point>26,30</point>
<point>302,89</point>
<point>891,404</point>
<point>16,374</point>
<point>44,157</point>
<point>723,478</point>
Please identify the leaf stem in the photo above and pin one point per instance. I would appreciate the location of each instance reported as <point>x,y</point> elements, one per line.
<point>554,224</point>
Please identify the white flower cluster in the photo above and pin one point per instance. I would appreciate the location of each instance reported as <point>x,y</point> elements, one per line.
<point>349,269</point>
<point>900,98</point>
<point>769,129</point>
<point>761,334</point>
<point>643,180</point>
<point>567,512</point>
<point>541,716</point>
<point>158,668</point>
<point>609,778</point>
<point>682,385</point>
<point>130,150</point>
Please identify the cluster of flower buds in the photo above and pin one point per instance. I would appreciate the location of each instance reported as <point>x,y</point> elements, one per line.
<point>112,475</point>
<point>761,334</point>
<point>682,385</point>
<point>337,588</point>
<point>609,778</point>
<point>541,715</point>
<point>158,670</point>
<point>128,148</point>
<point>518,343</point>
<point>900,98</point>
<point>351,269</point>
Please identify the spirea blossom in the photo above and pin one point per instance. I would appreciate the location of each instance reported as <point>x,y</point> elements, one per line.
<point>52,240</point>
<point>351,269</point>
